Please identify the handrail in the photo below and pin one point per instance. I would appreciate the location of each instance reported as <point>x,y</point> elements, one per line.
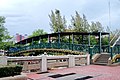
<point>114,36</point>
<point>115,39</point>
<point>74,47</point>
<point>116,42</point>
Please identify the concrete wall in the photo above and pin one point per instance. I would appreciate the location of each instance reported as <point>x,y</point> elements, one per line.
<point>3,60</point>
<point>44,61</point>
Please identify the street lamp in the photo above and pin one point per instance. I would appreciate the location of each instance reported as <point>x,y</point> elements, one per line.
<point>109,14</point>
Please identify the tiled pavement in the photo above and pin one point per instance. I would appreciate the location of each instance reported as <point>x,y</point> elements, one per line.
<point>98,72</point>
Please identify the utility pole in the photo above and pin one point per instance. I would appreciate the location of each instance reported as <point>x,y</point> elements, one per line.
<point>109,14</point>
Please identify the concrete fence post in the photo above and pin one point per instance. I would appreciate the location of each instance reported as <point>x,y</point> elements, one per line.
<point>3,60</point>
<point>25,66</point>
<point>71,62</point>
<point>88,59</point>
<point>44,63</point>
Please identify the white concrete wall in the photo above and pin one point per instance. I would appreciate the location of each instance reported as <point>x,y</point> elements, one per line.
<point>44,60</point>
<point>71,61</point>
<point>44,63</point>
<point>3,60</point>
<point>88,59</point>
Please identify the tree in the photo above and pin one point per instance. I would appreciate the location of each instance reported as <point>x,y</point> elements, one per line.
<point>38,32</point>
<point>57,22</point>
<point>80,24</point>
<point>108,29</point>
<point>96,27</point>
<point>5,38</point>
<point>77,23</point>
<point>93,27</point>
<point>86,26</point>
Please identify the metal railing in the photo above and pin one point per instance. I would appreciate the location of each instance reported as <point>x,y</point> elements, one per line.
<point>115,49</point>
<point>66,46</point>
<point>112,41</point>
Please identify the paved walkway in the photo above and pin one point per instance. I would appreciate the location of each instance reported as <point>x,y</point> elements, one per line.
<point>78,73</point>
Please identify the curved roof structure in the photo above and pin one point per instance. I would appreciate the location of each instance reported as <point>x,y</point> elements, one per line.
<point>36,38</point>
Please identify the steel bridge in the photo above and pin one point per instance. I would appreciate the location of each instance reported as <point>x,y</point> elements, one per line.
<point>67,43</point>
<point>55,41</point>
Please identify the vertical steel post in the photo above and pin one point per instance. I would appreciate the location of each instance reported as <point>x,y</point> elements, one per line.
<point>72,41</point>
<point>32,44</point>
<point>99,42</point>
<point>69,42</point>
<point>58,40</point>
<point>48,41</point>
<point>90,52</point>
<point>109,43</point>
<point>32,41</point>
<point>119,49</point>
<point>39,39</point>
<point>111,55</point>
<point>26,42</point>
<point>89,40</point>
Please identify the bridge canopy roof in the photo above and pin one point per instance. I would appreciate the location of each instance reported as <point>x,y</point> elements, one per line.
<point>37,38</point>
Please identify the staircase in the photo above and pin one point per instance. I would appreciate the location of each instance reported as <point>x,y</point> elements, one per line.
<point>102,59</point>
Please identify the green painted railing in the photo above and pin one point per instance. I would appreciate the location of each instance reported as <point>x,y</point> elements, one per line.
<point>95,49</point>
<point>114,50</point>
<point>74,47</point>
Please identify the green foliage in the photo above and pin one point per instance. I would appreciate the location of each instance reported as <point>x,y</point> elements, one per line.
<point>96,27</point>
<point>93,40</point>
<point>3,30</point>
<point>57,22</point>
<point>10,71</point>
<point>5,38</point>
<point>105,41</point>
<point>79,24</point>
<point>38,32</point>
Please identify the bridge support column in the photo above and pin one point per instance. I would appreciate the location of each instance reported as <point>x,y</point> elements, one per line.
<point>44,63</point>
<point>71,62</point>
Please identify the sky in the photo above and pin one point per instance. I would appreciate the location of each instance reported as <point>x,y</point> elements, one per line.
<point>25,16</point>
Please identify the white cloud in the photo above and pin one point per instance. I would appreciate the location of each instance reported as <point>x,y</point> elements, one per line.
<point>22,15</point>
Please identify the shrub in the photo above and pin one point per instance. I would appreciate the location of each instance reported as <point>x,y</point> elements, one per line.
<point>10,71</point>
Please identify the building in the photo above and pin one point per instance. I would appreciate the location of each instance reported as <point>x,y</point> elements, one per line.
<point>19,37</point>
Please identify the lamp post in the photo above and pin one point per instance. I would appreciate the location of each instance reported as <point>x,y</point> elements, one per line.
<point>109,4</point>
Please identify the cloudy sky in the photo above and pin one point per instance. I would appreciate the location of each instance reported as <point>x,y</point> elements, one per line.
<point>25,16</point>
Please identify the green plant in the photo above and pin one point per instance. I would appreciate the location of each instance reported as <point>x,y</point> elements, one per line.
<point>10,71</point>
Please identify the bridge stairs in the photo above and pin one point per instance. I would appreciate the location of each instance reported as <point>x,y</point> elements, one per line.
<point>102,59</point>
